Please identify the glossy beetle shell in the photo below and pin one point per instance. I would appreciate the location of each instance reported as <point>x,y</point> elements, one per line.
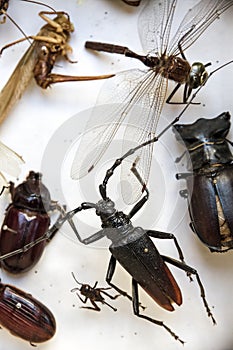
<point>24,316</point>
<point>210,184</point>
<point>26,219</point>
<point>152,275</point>
<point>210,207</point>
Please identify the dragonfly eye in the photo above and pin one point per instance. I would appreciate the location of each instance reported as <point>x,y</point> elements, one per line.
<point>204,77</point>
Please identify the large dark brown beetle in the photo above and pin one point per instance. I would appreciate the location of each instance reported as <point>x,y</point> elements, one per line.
<point>26,219</point>
<point>210,180</point>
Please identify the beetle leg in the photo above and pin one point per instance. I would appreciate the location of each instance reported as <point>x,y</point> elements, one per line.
<point>33,345</point>
<point>95,306</point>
<point>191,270</point>
<point>137,206</point>
<point>113,308</point>
<point>51,232</point>
<point>110,273</point>
<point>166,235</point>
<point>180,176</point>
<point>82,300</point>
<point>136,311</point>
<point>3,189</point>
<point>54,229</point>
<point>109,295</point>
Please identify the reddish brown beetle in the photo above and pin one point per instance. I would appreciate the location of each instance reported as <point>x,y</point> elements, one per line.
<point>24,316</point>
<point>26,220</point>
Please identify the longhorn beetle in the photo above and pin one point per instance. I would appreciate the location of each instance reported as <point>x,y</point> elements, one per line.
<point>132,246</point>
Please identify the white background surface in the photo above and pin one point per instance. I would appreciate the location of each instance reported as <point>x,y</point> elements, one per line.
<point>37,123</point>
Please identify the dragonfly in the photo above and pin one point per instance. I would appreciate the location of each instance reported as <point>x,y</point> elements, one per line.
<point>38,61</point>
<point>140,94</point>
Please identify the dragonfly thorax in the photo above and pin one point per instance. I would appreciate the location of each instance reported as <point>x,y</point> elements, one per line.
<point>174,68</point>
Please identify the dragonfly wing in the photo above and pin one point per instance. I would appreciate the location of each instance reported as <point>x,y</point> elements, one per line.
<point>94,142</point>
<point>10,161</point>
<point>154,25</point>
<point>116,99</point>
<point>199,18</point>
<point>17,82</point>
<point>142,127</point>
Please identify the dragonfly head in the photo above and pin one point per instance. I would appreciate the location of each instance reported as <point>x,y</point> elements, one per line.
<point>198,75</point>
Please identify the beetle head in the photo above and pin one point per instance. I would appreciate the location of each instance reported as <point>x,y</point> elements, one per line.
<point>105,208</point>
<point>33,180</point>
<point>203,130</point>
<point>32,194</point>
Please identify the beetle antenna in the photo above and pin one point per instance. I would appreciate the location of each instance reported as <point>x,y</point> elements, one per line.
<point>222,66</point>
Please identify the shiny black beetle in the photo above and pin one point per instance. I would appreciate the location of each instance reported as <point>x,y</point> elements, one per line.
<point>26,220</point>
<point>209,180</point>
<point>133,248</point>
